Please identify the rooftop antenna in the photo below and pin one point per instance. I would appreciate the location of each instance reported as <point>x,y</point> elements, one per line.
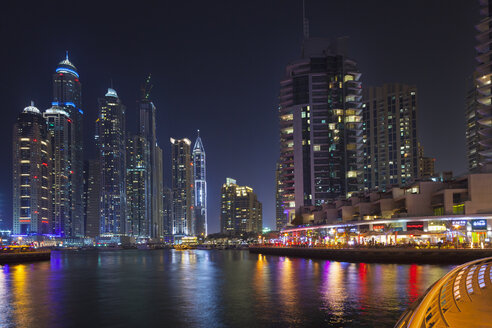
<point>305,22</point>
<point>198,132</point>
<point>32,103</point>
<point>66,54</point>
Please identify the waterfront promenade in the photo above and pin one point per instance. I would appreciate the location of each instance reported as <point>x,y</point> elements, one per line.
<point>378,255</point>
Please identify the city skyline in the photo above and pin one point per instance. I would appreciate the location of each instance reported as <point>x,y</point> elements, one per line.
<point>171,109</point>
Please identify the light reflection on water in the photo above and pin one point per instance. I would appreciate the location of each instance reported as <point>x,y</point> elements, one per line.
<point>206,289</point>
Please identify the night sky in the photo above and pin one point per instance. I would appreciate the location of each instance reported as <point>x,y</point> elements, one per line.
<point>216,66</point>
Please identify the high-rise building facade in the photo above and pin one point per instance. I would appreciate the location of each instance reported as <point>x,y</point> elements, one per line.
<point>60,129</point>
<point>200,177</point>
<point>159,183</point>
<point>484,88</point>
<point>32,211</point>
<point>67,96</point>
<point>472,125</point>
<point>241,212</point>
<point>167,217</point>
<point>148,130</point>
<point>280,216</point>
<point>138,186</point>
<point>389,136</point>
<point>92,197</point>
<point>320,127</point>
<point>182,187</point>
<point>111,139</point>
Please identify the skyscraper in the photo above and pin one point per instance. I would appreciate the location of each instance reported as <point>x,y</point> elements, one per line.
<point>92,197</point>
<point>138,186</point>
<point>389,136</point>
<point>200,176</point>
<point>182,186</point>
<point>471,124</point>
<point>111,137</point>
<point>320,125</point>
<point>60,128</point>
<point>159,183</point>
<point>67,96</point>
<point>167,218</point>
<point>32,212</point>
<point>148,131</point>
<point>280,216</point>
<point>241,212</point>
<point>484,88</point>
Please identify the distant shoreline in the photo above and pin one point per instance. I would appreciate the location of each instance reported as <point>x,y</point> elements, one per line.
<point>375,255</point>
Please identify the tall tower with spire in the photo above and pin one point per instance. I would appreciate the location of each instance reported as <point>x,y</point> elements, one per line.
<point>320,114</point>
<point>148,131</point>
<point>67,97</point>
<point>200,176</point>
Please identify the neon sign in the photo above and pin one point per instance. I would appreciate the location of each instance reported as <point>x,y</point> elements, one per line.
<point>479,224</point>
<point>416,225</point>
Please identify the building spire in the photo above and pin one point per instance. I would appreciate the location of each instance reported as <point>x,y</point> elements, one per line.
<point>66,54</point>
<point>198,133</point>
<point>305,21</point>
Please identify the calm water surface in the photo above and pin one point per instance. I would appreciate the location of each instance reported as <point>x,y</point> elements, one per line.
<point>168,288</point>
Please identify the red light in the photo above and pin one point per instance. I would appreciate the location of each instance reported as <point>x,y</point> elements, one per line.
<point>35,177</point>
<point>26,221</point>
<point>60,74</point>
<point>71,172</point>
<point>69,120</point>
<point>44,221</point>
<point>76,80</point>
<point>35,140</point>
<point>45,164</point>
<point>36,212</point>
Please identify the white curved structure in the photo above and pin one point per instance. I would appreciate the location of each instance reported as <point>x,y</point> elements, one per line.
<point>459,299</point>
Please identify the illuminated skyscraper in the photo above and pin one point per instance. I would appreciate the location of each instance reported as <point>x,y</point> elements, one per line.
<point>483,74</point>
<point>60,129</point>
<point>389,136</point>
<point>200,176</point>
<point>159,179</point>
<point>241,212</point>
<point>320,125</point>
<point>280,217</point>
<point>148,131</point>
<point>32,212</point>
<point>110,127</point>
<point>182,186</point>
<point>138,186</point>
<point>92,197</point>
<point>167,219</point>
<point>67,96</point>
<point>472,125</point>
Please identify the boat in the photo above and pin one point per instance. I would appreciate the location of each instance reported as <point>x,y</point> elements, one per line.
<point>183,247</point>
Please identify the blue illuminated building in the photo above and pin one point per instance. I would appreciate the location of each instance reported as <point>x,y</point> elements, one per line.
<point>200,176</point>
<point>67,97</point>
